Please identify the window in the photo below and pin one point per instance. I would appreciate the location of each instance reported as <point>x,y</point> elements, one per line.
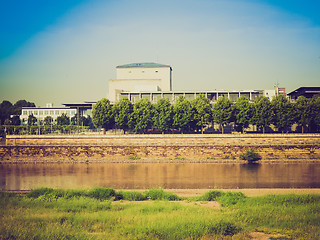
<point>30,112</point>
<point>57,113</point>
<point>35,112</point>
<point>46,112</point>
<point>51,113</point>
<point>40,112</point>
<point>25,113</point>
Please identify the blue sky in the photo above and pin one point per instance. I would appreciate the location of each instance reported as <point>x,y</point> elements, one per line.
<point>67,50</point>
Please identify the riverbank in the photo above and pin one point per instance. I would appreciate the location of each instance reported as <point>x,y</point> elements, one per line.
<point>249,192</point>
<point>159,148</point>
<point>102,213</point>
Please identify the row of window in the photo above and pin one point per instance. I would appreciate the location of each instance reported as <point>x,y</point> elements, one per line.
<point>48,112</point>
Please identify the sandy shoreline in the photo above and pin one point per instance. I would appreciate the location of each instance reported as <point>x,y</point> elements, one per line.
<point>250,192</point>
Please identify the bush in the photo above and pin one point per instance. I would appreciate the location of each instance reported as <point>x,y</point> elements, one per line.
<point>224,198</point>
<point>130,196</point>
<point>250,155</point>
<point>35,193</point>
<point>224,228</point>
<point>160,194</point>
<point>210,196</point>
<point>101,193</point>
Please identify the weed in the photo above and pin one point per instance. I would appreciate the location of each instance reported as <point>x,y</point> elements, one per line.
<point>134,157</point>
<point>250,155</point>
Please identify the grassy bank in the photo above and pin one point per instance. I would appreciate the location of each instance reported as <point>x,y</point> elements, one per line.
<point>103,213</point>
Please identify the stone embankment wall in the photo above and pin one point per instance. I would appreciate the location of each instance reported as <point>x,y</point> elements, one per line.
<point>158,147</point>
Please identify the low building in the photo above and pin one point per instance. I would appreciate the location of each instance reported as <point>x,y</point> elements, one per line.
<point>42,112</point>
<point>307,92</point>
<point>213,96</point>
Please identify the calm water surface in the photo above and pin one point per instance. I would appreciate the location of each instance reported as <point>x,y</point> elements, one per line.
<point>165,175</point>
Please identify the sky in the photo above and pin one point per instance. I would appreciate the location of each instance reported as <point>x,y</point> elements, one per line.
<point>65,51</point>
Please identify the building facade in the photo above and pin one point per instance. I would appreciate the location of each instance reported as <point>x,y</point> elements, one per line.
<point>42,112</point>
<point>140,77</point>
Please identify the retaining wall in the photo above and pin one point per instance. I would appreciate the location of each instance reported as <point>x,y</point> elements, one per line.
<point>157,147</point>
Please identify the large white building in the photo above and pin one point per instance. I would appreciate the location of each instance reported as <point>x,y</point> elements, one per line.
<point>140,77</point>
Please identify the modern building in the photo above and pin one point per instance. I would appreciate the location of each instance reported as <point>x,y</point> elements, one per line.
<point>140,77</point>
<point>213,96</point>
<point>307,92</point>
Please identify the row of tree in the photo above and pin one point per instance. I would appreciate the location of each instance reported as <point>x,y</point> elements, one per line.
<point>7,109</point>
<point>198,114</point>
<point>62,120</point>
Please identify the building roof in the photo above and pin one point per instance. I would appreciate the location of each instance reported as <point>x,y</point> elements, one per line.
<point>147,64</point>
<point>307,92</point>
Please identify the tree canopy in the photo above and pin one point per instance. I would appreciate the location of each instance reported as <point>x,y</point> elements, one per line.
<point>123,111</point>
<point>102,115</point>
<point>182,114</point>
<point>262,112</point>
<point>223,112</point>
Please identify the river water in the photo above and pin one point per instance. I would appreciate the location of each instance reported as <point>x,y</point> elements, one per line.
<point>165,175</point>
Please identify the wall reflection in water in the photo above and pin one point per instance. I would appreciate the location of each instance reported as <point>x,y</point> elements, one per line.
<point>165,175</point>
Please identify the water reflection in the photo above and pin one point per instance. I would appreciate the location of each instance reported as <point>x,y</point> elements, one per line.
<point>166,175</point>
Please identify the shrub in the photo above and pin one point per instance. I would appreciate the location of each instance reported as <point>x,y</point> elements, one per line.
<point>224,228</point>
<point>101,193</point>
<point>160,194</point>
<point>210,196</point>
<point>35,193</point>
<point>131,196</point>
<point>250,155</point>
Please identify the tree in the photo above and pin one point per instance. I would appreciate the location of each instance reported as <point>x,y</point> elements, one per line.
<point>48,120</point>
<point>182,114</point>
<point>243,114</point>
<point>314,113</point>
<point>15,120</point>
<point>262,113</point>
<point>102,114</point>
<point>32,120</point>
<point>63,120</point>
<point>123,111</point>
<point>283,113</point>
<point>5,111</point>
<point>203,111</point>
<point>223,112</point>
<point>142,115</point>
<point>302,108</point>
<point>162,117</point>
<point>16,109</point>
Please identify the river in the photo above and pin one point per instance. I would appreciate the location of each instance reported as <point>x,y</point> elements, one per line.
<point>165,175</point>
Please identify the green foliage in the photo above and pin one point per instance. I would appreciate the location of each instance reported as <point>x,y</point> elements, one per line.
<point>182,114</point>
<point>102,193</point>
<point>226,199</point>
<point>102,115</point>
<point>142,115</point>
<point>63,119</point>
<point>210,196</point>
<point>223,112</point>
<point>32,120</point>
<point>160,194</point>
<point>81,217</point>
<point>123,111</point>
<point>48,120</point>
<point>262,113</point>
<point>202,114</point>
<point>162,117</point>
<point>250,155</point>
<point>283,113</point>
<point>243,114</point>
<point>131,196</point>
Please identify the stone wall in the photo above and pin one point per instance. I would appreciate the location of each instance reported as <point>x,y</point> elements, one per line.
<point>158,147</point>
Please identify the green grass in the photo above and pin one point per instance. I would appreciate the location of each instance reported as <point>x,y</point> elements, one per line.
<point>101,213</point>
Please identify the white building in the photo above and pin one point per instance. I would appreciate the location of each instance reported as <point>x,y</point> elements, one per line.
<point>140,77</point>
<point>42,112</point>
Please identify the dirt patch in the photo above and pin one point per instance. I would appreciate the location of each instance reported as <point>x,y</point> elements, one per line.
<point>210,204</point>
<point>264,236</point>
